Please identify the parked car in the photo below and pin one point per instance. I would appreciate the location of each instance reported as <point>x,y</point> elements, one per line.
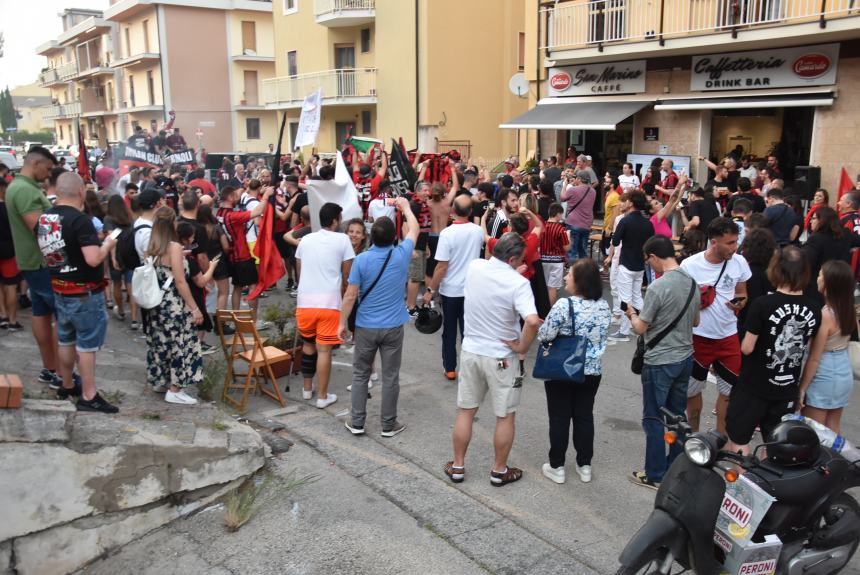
<point>70,159</point>
<point>9,149</point>
<point>11,161</point>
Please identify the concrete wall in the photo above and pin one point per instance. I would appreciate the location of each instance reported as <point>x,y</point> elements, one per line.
<point>268,131</point>
<point>836,132</point>
<point>138,77</point>
<point>135,28</point>
<point>237,69</point>
<point>264,31</point>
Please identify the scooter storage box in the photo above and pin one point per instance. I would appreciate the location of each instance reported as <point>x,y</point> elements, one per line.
<point>744,506</point>
<point>752,558</point>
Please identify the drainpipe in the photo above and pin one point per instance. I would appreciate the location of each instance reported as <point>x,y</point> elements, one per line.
<point>537,78</point>
<point>822,23</point>
<point>417,80</point>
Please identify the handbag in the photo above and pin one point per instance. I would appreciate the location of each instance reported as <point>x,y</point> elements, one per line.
<point>709,293</point>
<point>350,321</point>
<point>638,361</point>
<point>854,357</point>
<point>563,358</point>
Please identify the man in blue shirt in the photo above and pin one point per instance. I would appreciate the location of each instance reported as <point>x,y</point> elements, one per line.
<point>380,317</point>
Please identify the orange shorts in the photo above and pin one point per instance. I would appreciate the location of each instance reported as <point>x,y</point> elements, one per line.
<point>319,325</point>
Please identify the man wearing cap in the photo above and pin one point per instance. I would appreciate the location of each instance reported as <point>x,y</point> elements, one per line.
<point>379,207</point>
<point>366,182</point>
<point>580,205</point>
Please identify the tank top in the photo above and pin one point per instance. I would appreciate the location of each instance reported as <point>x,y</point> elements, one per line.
<point>661,228</point>
<point>835,341</point>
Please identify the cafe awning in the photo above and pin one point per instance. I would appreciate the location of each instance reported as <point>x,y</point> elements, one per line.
<point>570,114</point>
<point>778,100</point>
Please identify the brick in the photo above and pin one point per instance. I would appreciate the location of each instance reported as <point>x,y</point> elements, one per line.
<point>16,392</point>
<point>4,391</point>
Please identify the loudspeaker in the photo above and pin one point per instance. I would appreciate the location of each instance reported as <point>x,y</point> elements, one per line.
<point>807,179</point>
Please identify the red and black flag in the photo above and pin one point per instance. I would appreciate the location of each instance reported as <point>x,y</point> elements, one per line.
<point>83,164</point>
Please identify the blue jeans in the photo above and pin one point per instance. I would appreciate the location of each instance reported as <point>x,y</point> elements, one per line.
<point>453,310</point>
<point>578,242</point>
<point>81,321</point>
<point>41,292</point>
<point>662,386</point>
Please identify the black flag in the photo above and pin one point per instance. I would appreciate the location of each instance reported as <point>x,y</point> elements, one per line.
<point>401,174</point>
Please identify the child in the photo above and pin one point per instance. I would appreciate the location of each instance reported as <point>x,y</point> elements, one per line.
<point>197,281</point>
<point>554,243</point>
<point>741,208</point>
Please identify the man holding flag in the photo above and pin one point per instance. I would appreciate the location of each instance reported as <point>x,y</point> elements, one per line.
<point>366,181</point>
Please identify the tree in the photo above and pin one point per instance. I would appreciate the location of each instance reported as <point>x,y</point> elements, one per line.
<point>8,116</point>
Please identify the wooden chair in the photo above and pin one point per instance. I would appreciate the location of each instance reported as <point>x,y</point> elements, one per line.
<point>247,346</point>
<point>594,239</point>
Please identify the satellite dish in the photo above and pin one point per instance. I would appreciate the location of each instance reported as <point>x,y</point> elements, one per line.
<point>519,85</point>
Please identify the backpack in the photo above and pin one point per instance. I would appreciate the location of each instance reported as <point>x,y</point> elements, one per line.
<point>126,252</point>
<point>145,287</point>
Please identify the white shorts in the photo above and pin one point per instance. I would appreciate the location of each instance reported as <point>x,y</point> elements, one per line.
<point>479,374</point>
<point>554,273</point>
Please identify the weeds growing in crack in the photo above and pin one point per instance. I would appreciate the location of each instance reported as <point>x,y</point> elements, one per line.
<point>243,503</point>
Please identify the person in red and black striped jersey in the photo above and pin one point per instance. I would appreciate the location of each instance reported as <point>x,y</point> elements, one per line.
<point>554,243</point>
<point>243,271</point>
<point>667,184</point>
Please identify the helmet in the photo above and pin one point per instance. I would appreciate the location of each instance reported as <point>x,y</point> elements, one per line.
<point>794,443</point>
<point>428,321</point>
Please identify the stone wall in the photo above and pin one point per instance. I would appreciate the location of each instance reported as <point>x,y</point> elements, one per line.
<point>836,134</point>
<point>77,486</point>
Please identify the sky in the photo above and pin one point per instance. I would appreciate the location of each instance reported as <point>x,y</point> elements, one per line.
<point>26,25</point>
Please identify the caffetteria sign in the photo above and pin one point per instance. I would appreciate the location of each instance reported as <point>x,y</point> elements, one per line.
<point>596,79</point>
<point>784,68</point>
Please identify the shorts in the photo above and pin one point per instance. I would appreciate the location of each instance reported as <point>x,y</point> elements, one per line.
<point>251,246</point>
<point>222,269</point>
<point>418,266</point>
<point>286,250</point>
<point>41,292</point>
<point>554,274</point>
<point>480,373</point>
<point>81,321</point>
<point>244,273</point>
<point>319,325</point>
<point>9,273</point>
<point>747,410</point>
<point>433,244</point>
<point>833,383</point>
<point>724,354</point>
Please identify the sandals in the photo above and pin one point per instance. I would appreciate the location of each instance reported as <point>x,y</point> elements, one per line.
<point>455,474</point>
<point>510,475</point>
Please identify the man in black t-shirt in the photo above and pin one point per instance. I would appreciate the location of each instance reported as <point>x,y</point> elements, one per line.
<point>75,257</point>
<point>482,201</point>
<point>745,191</point>
<point>188,204</point>
<point>700,211</point>
<point>138,140</point>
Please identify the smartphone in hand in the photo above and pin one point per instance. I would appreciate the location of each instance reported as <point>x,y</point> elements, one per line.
<point>115,234</point>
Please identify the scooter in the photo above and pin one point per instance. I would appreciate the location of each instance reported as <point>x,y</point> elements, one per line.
<point>816,520</point>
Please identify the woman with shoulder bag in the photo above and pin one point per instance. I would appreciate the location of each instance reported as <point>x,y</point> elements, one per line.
<point>586,315</point>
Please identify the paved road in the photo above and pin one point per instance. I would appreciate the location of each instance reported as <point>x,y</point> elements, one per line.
<point>383,505</point>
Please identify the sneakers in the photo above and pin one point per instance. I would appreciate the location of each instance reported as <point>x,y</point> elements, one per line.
<point>639,478</point>
<point>373,377</point>
<point>618,336</point>
<point>353,429</point>
<point>291,285</point>
<point>135,325</point>
<point>294,293</point>
<point>179,397</point>
<point>51,378</point>
<point>554,474</point>
<point>307,393</point>
<point>228,329</point>
<point>413,312</point>
<point>206,349</point>
<point>393,430</point>
<point>450,375</point>
<point>329,399</point>
<point>64,393</point>
<point>159,388</point>
<point>369,384</point>
<point>97,403</point>
<point>120,315</point>
<point>584,473</point>
<point>12,327</point>
<point>4,322</point>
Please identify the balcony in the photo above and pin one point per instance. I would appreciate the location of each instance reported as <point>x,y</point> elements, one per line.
<point>93,103</point>
<point>56,75</point>
<point>59,111</point>
<point>136,61</point>
<point>605,28</point>
<point>342,13</point>
<point>339,87</point>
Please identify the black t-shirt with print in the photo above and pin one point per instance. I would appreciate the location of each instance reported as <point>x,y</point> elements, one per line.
<point>201,238</point>
<point>7,248</point>
<point>706,210</point>
<point>785,325</point>
<point>62,231</point>
<point>479,208</point>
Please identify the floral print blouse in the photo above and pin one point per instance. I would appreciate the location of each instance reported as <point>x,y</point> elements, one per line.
<point>592,321</point>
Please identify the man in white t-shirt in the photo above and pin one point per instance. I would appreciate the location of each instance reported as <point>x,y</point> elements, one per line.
<point>247,202</point>
<point>496,297</point>
<point>149,201</point>
<point>459,244</point>
<point>379,206</point>
<point>628,180</point>
<point>323,261</point>
<point>715,339</point>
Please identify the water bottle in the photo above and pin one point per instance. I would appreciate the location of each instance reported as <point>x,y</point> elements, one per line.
<point>828,437</point>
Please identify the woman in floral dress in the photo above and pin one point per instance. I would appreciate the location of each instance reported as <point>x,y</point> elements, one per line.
<point>173,358</point>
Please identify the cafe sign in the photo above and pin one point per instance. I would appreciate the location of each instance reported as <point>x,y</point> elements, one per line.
<point>597,79</point>
<point>783,68</point>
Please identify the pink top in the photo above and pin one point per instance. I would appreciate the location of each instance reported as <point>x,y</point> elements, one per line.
<point>661,228</point>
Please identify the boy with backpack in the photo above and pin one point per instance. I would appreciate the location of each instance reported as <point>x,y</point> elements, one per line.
<point>133,243</point>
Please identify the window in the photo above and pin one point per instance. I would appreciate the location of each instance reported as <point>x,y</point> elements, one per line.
<point>365,40</point>
<point>61,131</point>
<point>252,128</point>
<point>249,37</point>
<point>365,122</point>
<point>291,6</point>
<point>113,130</point>
<point>294,132</point>
<point>292,65</point>
<point>146,35</point>
<point>150,86</point>
<point>521,51</point>
<point>131,90</point>
<point>127,43</point>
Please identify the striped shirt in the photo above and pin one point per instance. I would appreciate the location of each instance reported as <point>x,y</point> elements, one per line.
<point>552,241</point>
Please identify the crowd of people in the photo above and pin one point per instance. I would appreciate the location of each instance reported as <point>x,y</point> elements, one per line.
<point>733,281</point>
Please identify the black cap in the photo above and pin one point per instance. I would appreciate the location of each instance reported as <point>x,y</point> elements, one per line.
<point>148,198</point>
<point>364,170</point>
<point>507,181</point>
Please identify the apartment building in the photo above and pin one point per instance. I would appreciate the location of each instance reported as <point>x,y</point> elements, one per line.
<point>31,101</point>
<point>435,73</point>
<point>143,59</point>
<point>635,79</point>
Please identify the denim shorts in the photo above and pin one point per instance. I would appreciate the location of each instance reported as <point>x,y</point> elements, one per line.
<point>82,321</point>
<point>41,292</point>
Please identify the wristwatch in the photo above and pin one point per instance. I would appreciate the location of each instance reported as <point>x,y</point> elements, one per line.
<point>430,290</point>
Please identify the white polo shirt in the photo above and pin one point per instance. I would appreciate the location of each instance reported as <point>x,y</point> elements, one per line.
<point>459,244</point>
<point>496,297</point>
<point>322,254</point>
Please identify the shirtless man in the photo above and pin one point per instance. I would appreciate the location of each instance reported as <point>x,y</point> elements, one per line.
<point>440,213</point>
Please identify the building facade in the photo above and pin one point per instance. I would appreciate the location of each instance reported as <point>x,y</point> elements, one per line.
<point>435,73</point>
<point>142,61</point>
<point>31,101</point>
<point>625,79</point>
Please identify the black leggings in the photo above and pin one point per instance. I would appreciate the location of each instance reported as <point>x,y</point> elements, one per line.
<point>568,401</point>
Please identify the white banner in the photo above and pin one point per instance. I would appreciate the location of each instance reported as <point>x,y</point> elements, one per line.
<point>778,68</point>
<point>309,122</point>
<point>341,190</point>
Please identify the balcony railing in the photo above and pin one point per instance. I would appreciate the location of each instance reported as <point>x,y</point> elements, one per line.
<point>344,12</point>
<point>582,24</point>
<point>58,111</point>
<point>60,74</point>
<point>338,87</point>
